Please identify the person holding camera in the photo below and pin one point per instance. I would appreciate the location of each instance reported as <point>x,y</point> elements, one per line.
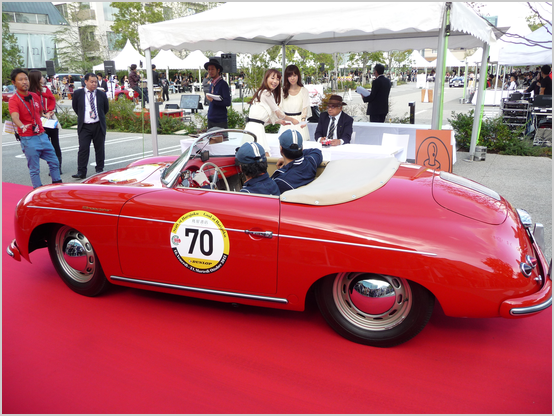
<point>25,110</point>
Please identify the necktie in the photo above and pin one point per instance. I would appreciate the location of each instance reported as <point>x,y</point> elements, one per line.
<point>331,134</point>
<point>92,106</point>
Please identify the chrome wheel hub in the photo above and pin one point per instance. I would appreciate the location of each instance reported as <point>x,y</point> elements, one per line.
<point>372,302</point>
<point>75,254</point>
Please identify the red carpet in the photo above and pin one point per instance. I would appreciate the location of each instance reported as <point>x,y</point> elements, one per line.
<point>133,351</point>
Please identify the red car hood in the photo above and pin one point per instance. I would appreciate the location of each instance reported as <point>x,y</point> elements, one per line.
<point>141,175</point>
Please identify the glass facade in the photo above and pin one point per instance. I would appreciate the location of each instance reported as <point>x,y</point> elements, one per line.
<point>109,12</point>
<point>31,18</point>
<point>36,49</point>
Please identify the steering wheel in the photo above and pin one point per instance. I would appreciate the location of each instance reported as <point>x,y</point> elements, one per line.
<point>213,184</point>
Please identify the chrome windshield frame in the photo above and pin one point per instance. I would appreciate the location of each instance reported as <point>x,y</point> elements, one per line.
<point>172,172</point>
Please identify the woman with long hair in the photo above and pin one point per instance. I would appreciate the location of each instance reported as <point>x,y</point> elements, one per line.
<point>37,84</point>
<point>296,101</point>
<point>264,108</point>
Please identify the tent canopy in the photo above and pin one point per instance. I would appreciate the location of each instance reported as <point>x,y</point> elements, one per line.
<point>124,59</point>
<point>167,59</point>
<point>452,61</point>
<point>418,61</point>
<point>525,54</point>
<point>195,60</point>
<point>325,27</point>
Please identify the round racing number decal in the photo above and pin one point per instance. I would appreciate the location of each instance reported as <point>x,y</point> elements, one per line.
<point>200,242</point>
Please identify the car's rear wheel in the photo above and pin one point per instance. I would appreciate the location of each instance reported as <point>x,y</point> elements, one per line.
<point>376,310</point>
<point>76,262</point>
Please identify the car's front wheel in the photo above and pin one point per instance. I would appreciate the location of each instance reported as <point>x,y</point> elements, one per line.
<point>376,310</point>
<point>76,262</point>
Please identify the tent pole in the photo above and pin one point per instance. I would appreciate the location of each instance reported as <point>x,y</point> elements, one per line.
<point>496,83</point>
<point>151,105</point>
<point>465,82</point>
<point>436,118</point>
<point>477,120</point>
<point>284,59</point>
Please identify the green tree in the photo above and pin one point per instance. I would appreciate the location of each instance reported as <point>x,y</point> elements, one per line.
<point>78,49</point>
<point>396,60</point>
<point>361,60</point>
<point>130,16</point>
<point>11,55</point>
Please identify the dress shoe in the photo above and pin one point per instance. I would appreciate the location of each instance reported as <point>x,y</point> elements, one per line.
<point>77,176</point>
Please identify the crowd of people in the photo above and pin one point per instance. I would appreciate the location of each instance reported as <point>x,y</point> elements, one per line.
<point>276,101</point>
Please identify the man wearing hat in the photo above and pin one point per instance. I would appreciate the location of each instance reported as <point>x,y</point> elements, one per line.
<point>217,112</point>
<point>253,164</point>
<point>297,167</point>
<point>334,127</point>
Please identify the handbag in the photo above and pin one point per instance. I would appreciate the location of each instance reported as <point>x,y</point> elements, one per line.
<point>11,128</point>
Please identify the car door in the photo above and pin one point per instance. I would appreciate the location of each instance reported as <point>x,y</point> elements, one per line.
<point>201,238</point>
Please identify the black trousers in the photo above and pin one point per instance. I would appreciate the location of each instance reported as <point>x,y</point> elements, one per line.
<point>165,93</point>
<point>222,124</point>
<point>54,136</point>
<point>91,133</point>
<point>377,118</point>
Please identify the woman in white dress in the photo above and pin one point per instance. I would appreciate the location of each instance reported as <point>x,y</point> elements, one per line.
<point>264,108</point>
<point>296,101</point>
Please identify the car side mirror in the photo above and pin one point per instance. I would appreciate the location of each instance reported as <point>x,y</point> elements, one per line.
<point>205,156</point>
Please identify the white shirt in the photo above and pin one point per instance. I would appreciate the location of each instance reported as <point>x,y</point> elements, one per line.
<point>88,109</point>
<point>336,125</point>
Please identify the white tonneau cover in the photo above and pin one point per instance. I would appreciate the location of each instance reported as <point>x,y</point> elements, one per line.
<point>344,180</point>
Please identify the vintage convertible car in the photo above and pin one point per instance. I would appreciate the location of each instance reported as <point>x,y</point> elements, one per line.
<point>376,240</point>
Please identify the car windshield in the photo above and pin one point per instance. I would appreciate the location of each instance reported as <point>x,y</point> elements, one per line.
<point>217,143</point>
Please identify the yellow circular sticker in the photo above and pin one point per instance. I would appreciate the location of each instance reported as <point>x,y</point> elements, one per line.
<point>200,242</point>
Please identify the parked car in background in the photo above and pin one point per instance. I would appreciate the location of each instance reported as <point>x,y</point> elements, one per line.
<point>121,93</point>
<point>376,241</point>
<point>456,82</point>
<point>7,92</point>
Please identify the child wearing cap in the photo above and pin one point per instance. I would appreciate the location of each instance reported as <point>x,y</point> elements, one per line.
<point>297,167</point>
<point>253,164</point>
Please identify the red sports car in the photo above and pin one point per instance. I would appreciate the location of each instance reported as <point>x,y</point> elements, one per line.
<point>376,240</point>
<point>7,92</point>
<point>120,93</point>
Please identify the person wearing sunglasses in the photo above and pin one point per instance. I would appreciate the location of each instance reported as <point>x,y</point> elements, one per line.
<point>334,126</point>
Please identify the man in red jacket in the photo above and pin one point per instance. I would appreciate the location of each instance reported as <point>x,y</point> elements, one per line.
<point>25,111</point>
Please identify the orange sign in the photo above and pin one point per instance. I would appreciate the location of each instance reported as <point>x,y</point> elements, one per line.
<point>434,149</point>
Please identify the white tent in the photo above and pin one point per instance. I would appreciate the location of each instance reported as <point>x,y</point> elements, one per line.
<point>451,60</point>
<point>124,59</point>
<point>417,61</point>
<point>536,52</point>
<point>167,59</point>
<point>195,60</point>
<point>252,27</point>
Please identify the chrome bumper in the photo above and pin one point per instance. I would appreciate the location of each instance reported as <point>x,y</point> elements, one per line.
<point>531,309</point>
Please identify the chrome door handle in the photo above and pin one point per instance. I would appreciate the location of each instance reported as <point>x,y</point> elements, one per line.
<point>264,234</point>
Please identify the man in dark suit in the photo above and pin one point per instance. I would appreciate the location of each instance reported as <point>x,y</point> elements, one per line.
<point>378,100</point>
<point>102,83</point>
<point>334,126</point>
<point>91,106</point>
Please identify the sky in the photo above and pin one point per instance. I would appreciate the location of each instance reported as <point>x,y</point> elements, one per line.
<point>514,13</point>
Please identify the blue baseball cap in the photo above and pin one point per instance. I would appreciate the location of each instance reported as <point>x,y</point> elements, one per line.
<point>250,152</point>
<point>291,140</point>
